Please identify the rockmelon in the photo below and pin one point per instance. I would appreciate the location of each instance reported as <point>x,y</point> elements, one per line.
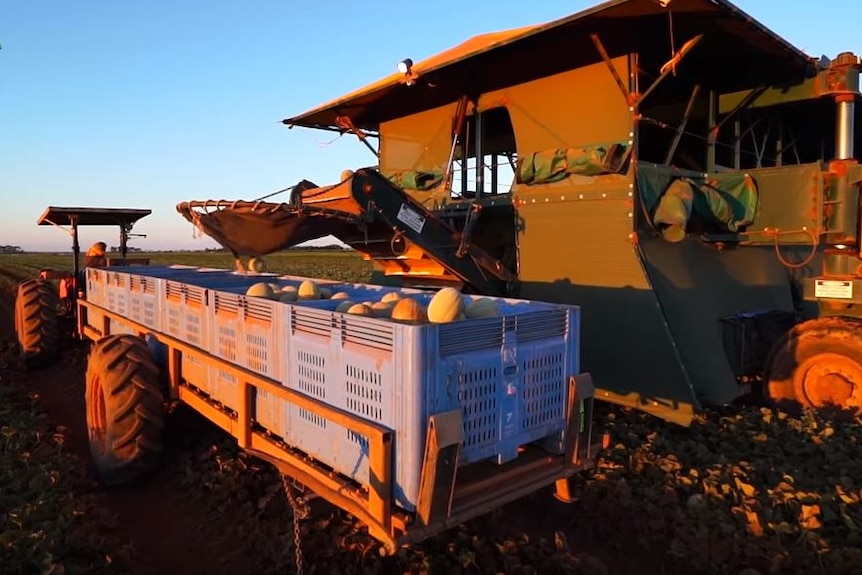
<point>340,295</point>
<point>446,305</point>
<point>483,307</point>
<point>344,306</point>
<point>308,290</point>
<point>325,293</point>
<point>260,289</point>
<point>381,309</point>
<point>287,296</point>
<point>257,264</point>
<point>392,296</point>
<point>360,309</point>
<point>408,310</point>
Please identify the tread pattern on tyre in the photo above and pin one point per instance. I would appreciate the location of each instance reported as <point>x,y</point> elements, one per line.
<point>131,442</point>
<point>36,321</point>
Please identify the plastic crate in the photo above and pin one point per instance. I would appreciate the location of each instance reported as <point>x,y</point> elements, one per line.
<point>117,292</point>
<point>145,293</point>
<point>96,286</point>
<point>184,312</point>
<point>509,376</point>
<point>246,331</point>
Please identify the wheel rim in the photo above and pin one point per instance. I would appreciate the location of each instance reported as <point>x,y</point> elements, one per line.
<point>830,379</point>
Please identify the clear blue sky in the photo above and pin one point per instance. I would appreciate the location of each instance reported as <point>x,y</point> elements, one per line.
<point>150,103</point>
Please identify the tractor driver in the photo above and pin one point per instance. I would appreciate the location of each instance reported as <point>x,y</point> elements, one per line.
<point>95,257</point>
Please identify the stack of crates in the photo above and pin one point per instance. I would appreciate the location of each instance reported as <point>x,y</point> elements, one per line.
<point>507,374</point>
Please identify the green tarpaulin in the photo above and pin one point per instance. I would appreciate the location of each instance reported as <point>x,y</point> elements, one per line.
<point>557,164</point>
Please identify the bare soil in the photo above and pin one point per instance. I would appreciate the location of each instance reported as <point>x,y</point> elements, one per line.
<point>167,524</point>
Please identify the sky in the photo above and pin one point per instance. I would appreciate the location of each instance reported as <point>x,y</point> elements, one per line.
<point>151,103</point>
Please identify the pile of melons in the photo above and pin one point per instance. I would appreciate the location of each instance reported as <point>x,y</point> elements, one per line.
<point>446,306</point>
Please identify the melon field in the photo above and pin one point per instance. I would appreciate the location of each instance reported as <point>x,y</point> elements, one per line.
<point>742,491</point>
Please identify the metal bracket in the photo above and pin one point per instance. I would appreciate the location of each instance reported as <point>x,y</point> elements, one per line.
<point>440,466</point>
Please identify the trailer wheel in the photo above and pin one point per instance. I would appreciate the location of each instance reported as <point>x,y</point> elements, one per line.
<point>36,323</point>
<point>818,364</point>
<point>125,409</point>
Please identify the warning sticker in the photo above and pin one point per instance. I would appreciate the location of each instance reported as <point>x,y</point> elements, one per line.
<point>413,219</point>
<point>833,289</point>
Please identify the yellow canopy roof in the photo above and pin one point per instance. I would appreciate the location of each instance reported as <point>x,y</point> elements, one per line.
<point>736,52</point>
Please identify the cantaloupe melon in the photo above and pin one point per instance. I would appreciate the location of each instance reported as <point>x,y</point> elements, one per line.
<point>286,296</point>
<point>360,309</point>
<point>344,306</point>
<point>408,310</point>
<point>260,289</point>
<point>381,309</point>
<point>483,307</point>
<point>392,296</point>
<point>446,305</point>
<point>257,264</point>
<point>325,293</point>
<point>308,290</point>
<point>340,295</point>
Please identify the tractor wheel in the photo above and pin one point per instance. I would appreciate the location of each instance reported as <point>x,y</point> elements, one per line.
<point>36,323</point>
<point>818,364</point>
<point>125,409</point>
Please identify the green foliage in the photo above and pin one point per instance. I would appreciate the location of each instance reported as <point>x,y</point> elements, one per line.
<point>49,520</point>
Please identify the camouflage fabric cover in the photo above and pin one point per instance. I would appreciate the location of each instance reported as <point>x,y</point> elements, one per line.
<point>557,164</point>
<point>421,180</point>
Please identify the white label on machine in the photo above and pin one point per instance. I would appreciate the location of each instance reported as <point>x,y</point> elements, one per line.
<point>835,289</point>
<point>413,219</point>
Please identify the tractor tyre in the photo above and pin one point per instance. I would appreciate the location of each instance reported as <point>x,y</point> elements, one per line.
<point>818,364</point>
<point>125,409</point>
<point>36,323</point>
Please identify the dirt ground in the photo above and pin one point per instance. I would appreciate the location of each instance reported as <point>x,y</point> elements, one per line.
<point>167,524</point>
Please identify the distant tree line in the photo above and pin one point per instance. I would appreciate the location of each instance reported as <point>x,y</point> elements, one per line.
<point>11,250</point>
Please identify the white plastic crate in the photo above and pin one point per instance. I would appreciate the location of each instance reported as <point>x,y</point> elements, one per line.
<point>145,293</point>
<point>117,292</point>
<point>184,312</point>
<point>246,331</point>
<point>96,286</point>
<point>509,376</point>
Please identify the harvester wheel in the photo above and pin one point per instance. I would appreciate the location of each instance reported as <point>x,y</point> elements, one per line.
<point>818,364</point>
<point>36,323</point>
<point>125,409</point>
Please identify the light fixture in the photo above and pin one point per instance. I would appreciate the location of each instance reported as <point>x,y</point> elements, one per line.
<point>405,66</point>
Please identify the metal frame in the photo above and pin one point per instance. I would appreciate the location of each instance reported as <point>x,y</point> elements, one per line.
<point>449,495</point>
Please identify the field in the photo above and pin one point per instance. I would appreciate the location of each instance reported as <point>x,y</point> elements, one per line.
<point>744,490</point>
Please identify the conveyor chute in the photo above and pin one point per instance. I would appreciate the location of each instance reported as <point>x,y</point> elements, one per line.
<point>370,214</point>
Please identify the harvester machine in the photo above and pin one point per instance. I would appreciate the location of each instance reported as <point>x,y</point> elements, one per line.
<point>678,170</point>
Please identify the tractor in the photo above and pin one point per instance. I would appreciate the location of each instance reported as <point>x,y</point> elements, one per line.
<point>45,307</point>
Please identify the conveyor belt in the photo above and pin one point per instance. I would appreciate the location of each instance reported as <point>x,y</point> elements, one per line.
<point>368,213</point>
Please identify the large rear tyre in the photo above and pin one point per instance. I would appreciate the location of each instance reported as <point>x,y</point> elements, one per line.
<point>125,409</point>
<point>36,323</point>
<point>818,364</point>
